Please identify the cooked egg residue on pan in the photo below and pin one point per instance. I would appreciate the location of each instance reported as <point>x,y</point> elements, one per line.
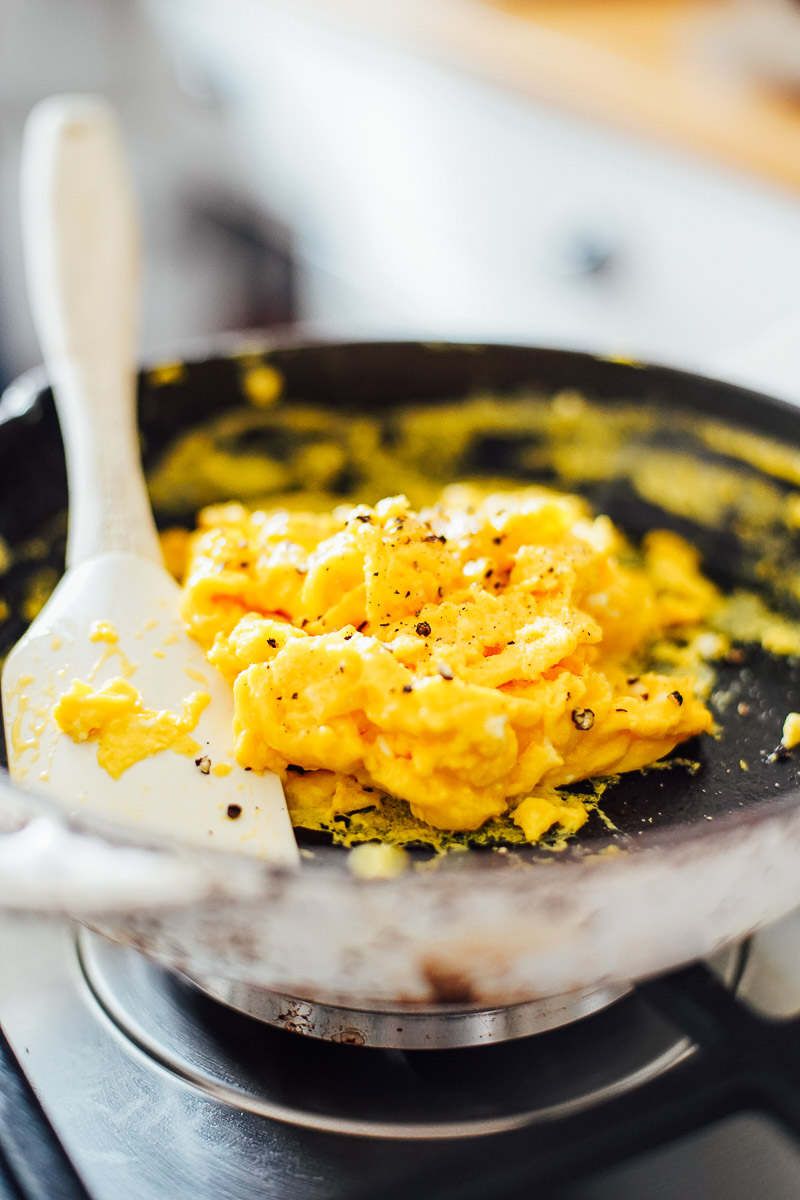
<point>467,659</point>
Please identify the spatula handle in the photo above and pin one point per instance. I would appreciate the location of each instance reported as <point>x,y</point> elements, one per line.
<point>81,258</point>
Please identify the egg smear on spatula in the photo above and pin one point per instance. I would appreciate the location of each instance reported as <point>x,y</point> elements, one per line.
<point>108,704</point>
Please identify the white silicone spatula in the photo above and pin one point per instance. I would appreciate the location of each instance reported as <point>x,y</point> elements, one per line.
<point>82,266</point>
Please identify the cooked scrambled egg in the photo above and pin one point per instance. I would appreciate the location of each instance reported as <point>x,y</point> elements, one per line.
<point>115,717</point>
<point>469,658</point>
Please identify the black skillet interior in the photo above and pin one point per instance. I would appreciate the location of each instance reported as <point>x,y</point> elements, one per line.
<point>381,378</point>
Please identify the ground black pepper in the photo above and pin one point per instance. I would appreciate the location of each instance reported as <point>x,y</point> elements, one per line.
<point>582,718</point>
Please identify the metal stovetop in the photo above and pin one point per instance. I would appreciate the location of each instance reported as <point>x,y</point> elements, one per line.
<point>155,1090</point>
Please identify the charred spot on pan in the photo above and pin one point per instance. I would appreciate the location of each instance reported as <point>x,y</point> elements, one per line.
<point>234,811</point>
<point>448,985</point>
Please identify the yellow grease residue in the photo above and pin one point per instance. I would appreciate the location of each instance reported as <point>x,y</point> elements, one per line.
<point>103,631</point>
<point>19,741</point>
<point>38,592</point>
<point>126,732</point>
<point>468,659</point>
<point>113,650</point>
<point>166,373</point>
<point>221,769</point>
<point>262,385</point>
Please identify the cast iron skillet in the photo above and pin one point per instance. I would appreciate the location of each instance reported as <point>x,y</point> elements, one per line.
<point>705,857</point>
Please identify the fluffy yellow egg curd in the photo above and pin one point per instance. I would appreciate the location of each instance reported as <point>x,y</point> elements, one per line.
<point>468,659</point>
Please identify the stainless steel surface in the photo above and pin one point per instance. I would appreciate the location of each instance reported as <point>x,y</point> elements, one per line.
<point>411,1026</point>
<point>365,1090</point>
<point>159,1091</point>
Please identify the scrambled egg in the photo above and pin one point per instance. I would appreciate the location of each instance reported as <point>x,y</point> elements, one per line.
<point>469,658</point>
<point>791,731</point>
<point>115,717</point>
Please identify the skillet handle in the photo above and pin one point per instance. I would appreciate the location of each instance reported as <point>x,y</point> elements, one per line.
<point>769,363</point>
<point>46,866</point>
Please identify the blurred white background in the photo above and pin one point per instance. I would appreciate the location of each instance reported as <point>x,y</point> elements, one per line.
<point>296,162</point>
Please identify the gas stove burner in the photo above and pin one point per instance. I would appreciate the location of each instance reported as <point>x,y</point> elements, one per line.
<point>455,1092</point>
<point>410,1026</point>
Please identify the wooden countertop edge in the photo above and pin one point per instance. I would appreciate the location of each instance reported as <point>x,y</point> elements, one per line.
<point>740,126</point>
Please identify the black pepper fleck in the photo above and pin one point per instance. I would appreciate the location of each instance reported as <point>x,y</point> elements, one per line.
<point>423,629</point>
<point>677,697</point>
<point>408,687</point>
<point>582,718</point>
<point>204,764</point>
